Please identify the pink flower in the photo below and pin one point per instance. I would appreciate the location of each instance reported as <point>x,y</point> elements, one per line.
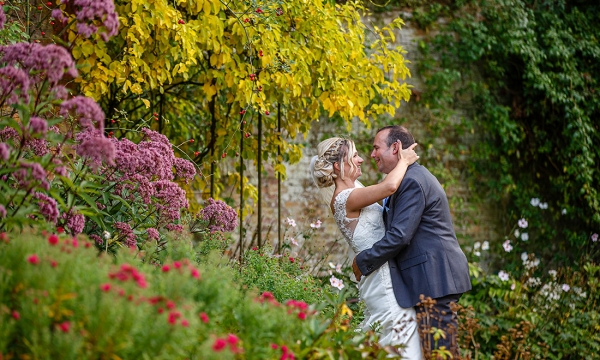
<point>53,239</point>
<point>53,263</point>
<point>195,273</point>
<point>48,207</point>
<point>219,344</point>
<point>220,216</point>
<point>176,264</point>
<point>594,237</point>
<point>74,221</point>
<point>152,234</point>
<point>33,259</point>
<point>302,315</point>
<point>185,323</point>
<point>204,317</point>
<point>105,287</point>
<point>232,339</point>
<point>64,326</point>
<point>173,316</point>
<point>166,268</point>
<point>15,315</point>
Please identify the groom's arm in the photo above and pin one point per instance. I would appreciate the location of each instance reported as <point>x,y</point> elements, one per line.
<point>408,208</point>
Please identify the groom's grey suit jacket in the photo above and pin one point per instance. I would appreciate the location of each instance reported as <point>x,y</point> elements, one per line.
<point>419,243</point>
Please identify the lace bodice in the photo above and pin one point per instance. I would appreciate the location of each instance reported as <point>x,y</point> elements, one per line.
<point>362,232</point>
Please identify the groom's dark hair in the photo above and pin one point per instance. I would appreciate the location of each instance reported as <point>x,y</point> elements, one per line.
<point>396,133</point>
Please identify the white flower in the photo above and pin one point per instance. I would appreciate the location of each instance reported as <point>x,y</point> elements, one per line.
<point>566,287</point>
<point>294,241</point>
<point>338,268</point>
<point>533,281</point>
<point>552,273</point>
<point>564,211</point>
<point>316,224</point>
<point>291,222</point>
<point>524,236</point>
<point>517,233</point>
<point>331,265</point>
<point>507,246</point>
<point>477,253</point>
<point>534,201</point>
<point>522,223</point>
<point>336,283</point>
<point>543,205</point>
<point>524,256</point>
<point>513,286</point>
<point>503,275</point>
<point>477,245</point>
<point>106,235</point>
<point>594,237</point>
<point>485,246</point>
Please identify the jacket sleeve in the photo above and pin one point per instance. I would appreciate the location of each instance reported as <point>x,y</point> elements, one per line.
<point>409,205</point>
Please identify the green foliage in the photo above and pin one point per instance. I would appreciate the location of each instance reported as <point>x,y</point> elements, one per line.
<point>550,316</point>
<point>284,276</point>
<point>526,77</point>
<point>58,299</point>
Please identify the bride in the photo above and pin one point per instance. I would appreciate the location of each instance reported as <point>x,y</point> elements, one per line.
<point>335,172</point>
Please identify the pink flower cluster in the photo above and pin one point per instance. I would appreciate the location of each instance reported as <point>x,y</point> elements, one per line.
<point>91,15</point>
<point>48,207</point>
<point>75,222</point>
<point>268,297</point>
<point>286,354</point>
<point>300,306</point>
<point>220,216</point>
<point>231,340</point>
<point>127,272</point>
<point>126,234</point>
<point>40,62</point>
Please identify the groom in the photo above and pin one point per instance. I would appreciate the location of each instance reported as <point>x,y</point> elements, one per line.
<point>419,244</point>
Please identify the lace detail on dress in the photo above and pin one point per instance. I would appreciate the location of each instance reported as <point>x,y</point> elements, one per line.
<point>362,232</point>
<point>339,206</point>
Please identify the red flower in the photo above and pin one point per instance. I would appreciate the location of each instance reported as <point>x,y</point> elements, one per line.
<point>15,314</point>
<point>53,263</point>
<point>105,287</point>
<point>33,259</point>
<point>64,326</point>
<point>302,315</point>
<point>176,264</point>
<point>291,259</point>
<point>274,346</point>
<point>219,345</point>
<point>60,230</point>
<point>173,316</point>
<point>204,317</point>
<point>185,323</point>
<point>195,273</point>
<point>170,304</point>
<point>232,339</point>
<point>53,239</point>
<point>166,268</point>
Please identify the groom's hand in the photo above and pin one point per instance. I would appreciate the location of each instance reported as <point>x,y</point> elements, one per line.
<point>356,270</point>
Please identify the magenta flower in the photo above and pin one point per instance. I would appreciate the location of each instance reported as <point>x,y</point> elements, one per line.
<point>14,85</point>
<point>2,211</point>
<point>4,151</point>
<point>75,222</point>
<point>48,207</point>
<point>220,216</point>
<point>42,62</point>
<point>126,233</point>
<point>86,109</point>
<point>93,145</point>
<point>2,18</point>
<point>38,125</point>
<point>152,234</point>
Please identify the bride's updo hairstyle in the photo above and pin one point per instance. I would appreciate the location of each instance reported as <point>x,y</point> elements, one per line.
<point>331,151</point>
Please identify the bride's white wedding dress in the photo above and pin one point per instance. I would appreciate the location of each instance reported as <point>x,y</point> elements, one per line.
<point>397,325</point>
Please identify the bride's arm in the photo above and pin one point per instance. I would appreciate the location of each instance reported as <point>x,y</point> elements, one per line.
<point>361,197</point>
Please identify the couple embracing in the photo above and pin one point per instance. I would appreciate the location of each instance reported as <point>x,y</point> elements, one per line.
<point>407,248</point>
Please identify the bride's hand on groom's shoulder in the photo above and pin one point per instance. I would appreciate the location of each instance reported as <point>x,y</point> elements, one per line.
<point>408,155</point>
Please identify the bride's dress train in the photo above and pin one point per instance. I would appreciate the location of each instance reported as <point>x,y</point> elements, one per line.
<point>397,325</point>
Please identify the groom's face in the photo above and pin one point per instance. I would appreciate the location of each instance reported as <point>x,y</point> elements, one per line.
<point>384,155</point>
